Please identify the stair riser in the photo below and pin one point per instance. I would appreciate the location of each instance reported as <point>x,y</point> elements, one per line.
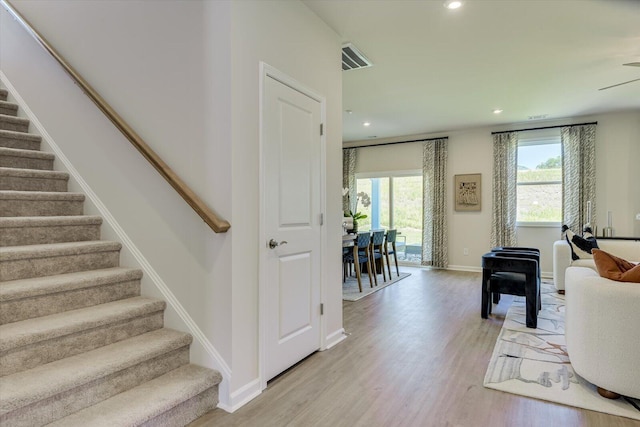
<point>7,123</point>
<point>3,94</point>
<point>39,267</point>
<point>188,411</point>
<point>44,305</point>
<point>37,354</point>
<point>9,110</point>
<point>22,144</point>
<point>41,207</point>
<point>17,183</point>
<point>65,403</point>
<point>18,162</point>
<point>54,234</point>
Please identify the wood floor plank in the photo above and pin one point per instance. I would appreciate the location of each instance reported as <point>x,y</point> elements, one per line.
<point>416,356</point>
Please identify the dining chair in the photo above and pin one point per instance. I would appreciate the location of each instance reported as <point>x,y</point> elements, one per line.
<point>361,255</point>
<point>377,254</point>
<point>346,264</point>
<point>390,239</point>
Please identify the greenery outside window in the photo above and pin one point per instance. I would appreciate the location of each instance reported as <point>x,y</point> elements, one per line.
<point>396,202</point>
<point>539,183</point>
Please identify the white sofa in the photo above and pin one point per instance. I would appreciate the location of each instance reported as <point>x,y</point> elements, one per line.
<point>602,330</point>
<point>626,249</point>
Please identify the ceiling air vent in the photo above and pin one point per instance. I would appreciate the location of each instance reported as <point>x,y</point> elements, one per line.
<point>352,58</point>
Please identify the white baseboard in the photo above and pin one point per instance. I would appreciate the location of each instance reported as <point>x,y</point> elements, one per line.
<point>334,338</point>
<point>465,268</point>
<point>242,396</point>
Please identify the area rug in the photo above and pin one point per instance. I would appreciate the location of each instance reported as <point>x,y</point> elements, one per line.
<point>350,291</point>
<point>535,363</point>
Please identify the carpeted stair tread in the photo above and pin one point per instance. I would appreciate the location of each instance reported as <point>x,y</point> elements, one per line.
<point>48,221</point>
<point>19,153</point>
<point>40,195</point>
<point>18,124</point>
<point>8,108</point>
<point>41,296</point>
<point>57,249</point>
<point>28,230</point>
<point>146,401</point>
<point>21,140</point>
<point>40,203</point>
<point>3,94</point>
<point>22,262</point>
<point>45,381</point>
<point>19,179</point>
<point>38,286</point>
<point>25,159</point>
<point>50,327</point>
<point>33,173</point>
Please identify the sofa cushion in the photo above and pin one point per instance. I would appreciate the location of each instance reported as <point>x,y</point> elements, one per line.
<point>615,268</point>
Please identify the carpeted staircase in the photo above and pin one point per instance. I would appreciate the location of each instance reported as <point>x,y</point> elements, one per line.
<point>79,346</point>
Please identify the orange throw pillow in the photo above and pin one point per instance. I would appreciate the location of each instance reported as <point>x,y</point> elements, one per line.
<point>614,268</point>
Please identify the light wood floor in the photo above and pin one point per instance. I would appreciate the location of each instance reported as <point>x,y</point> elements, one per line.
<point>416,356</point>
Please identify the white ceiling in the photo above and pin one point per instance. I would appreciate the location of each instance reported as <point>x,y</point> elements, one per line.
<point>438,70</point>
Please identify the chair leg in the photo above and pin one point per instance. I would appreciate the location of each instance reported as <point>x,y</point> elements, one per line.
<point>384,273</point>
<point>372,265</point>
<point>531,291</point>
<point>369,270</point>
<point>496,297</point>
<point>344,271</point>
<point>486,302</point>
<point>358,275</point>
<point>395,257</point>
<point>386,254</point>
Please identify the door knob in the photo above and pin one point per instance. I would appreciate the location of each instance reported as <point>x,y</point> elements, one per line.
<point>273,244</point>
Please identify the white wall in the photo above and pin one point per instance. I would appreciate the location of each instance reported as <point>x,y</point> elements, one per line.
<point>471,151</point>
<point>184,74</point>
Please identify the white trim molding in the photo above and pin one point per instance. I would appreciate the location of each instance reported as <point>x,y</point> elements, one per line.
<point>334,338</point>
<point>242,396</point>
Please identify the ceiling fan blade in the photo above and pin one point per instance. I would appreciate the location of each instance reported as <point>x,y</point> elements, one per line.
<point>633,64</point>
<point>619,84</point>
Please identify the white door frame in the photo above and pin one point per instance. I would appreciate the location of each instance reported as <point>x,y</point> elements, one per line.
<point>267,71</point>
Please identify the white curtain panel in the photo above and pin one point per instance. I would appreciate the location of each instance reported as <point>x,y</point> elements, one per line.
<point>505,167</point>
<point>434,185</point>
<point>578,175</point>
<point>349,178</point>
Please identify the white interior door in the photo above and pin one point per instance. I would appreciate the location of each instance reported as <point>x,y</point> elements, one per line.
<point>292,214</point>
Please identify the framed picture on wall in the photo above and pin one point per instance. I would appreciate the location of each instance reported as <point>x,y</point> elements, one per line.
<point>468,192</point>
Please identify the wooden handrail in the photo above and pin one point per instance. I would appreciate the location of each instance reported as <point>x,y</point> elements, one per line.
<point>216,223</point>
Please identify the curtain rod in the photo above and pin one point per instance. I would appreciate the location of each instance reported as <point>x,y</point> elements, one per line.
<point>397,142</point>
<point>544,127</point>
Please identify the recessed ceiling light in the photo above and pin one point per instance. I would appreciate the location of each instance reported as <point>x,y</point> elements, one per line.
<point>497,111</point>
<point>366,124</point>
<point>348,111</point>
<point>453,4</point>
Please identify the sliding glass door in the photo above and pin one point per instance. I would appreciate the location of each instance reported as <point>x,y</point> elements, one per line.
<point>396,202</point>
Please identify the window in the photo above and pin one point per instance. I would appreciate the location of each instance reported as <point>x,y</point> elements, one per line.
<point>396,202</point>
<point>540,180</point>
